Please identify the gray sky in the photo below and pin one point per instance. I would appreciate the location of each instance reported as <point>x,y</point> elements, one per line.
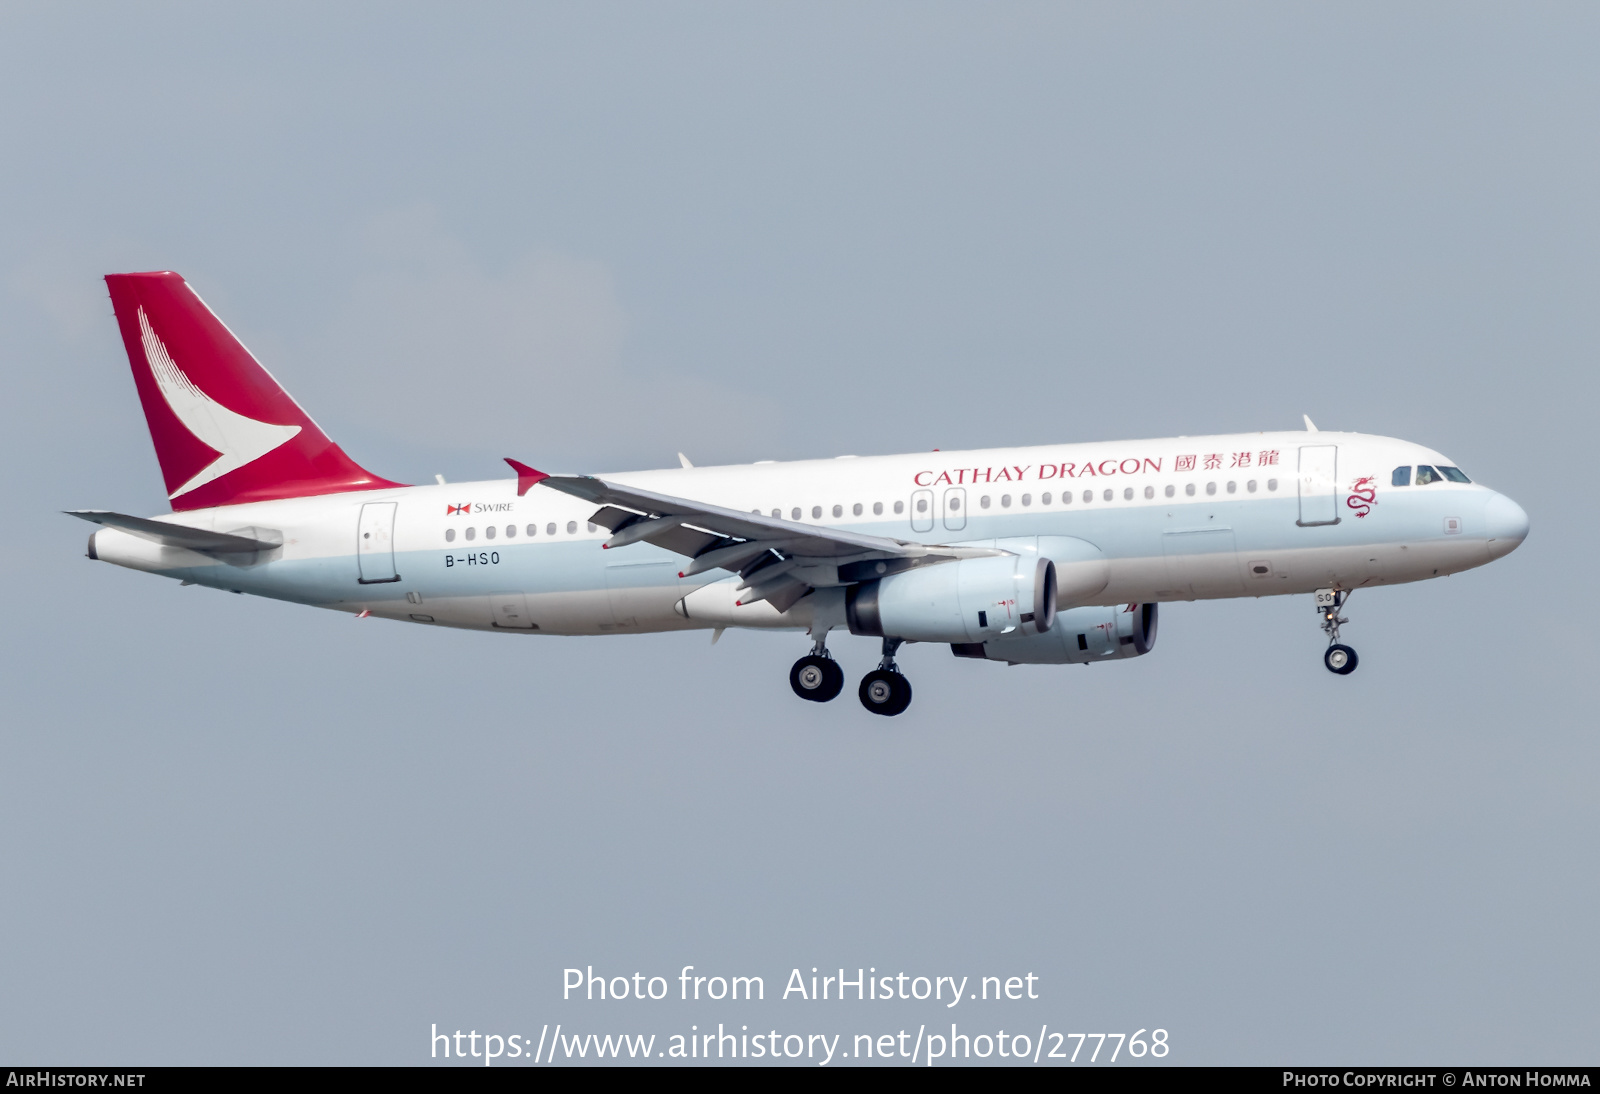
<point>590,236</point>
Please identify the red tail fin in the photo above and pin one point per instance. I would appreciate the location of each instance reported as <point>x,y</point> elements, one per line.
<point>224,431</point>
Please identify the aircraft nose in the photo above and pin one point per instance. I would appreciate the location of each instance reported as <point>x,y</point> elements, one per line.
<point>1506,524</point>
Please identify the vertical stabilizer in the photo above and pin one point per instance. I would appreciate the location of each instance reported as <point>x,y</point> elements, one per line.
<point>224,431</point>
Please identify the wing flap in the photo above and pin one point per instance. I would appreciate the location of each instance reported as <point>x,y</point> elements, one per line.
<point>685,541</point>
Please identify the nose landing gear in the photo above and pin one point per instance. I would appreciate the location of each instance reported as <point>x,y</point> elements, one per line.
<point>1338,658</point>
<point>1341,659</point>
<point>884,690</point>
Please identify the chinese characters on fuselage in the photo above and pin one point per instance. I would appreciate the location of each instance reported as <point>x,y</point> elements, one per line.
<point>1131,465</point>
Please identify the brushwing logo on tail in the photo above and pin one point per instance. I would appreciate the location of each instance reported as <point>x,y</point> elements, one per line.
<point>238,439</point>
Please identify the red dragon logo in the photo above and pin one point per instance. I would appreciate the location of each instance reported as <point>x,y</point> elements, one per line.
<point>1363,496</point>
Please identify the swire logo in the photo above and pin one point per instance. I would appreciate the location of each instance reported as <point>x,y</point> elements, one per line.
<point>452,510</point>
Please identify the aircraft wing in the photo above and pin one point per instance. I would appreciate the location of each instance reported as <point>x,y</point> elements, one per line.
<point>780,560</point>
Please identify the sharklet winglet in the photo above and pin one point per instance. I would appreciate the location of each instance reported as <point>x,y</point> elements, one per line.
<point>527,477</point>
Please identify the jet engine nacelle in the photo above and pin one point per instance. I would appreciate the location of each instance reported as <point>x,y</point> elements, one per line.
<point>1079,636</point>
<point>970,600</point>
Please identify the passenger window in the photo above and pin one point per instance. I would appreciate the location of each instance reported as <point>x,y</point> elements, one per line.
<point>1233,488</point>
<point>533,529</point>
<point>1272,484</point>
<point>899,507</point>
<point>593,527</point>
<point>984,501</point>
<point>1453,474</point>
<point>550,529</point>
<point>953,502</point>
<point>816,512</point>
<point>1005,501</point>
<point>855,510</point>
<point>1127,494</point>
<point>1044,499</point>
<point>1149,492</point>
<point>572,527</point>
<point>1108,494</point>
<point>488,533</point>
<point>1088,496</point>
<point>1426,475</point>
<point>1211,488</point>
<point>1027,499</point>
<point>472,533</point>
<point>794,514</point>
<point>877,508</point>
<point>922,505</point>
<point>449,535</point>
<point>838,511</point>
<point>511,531</point>
<point>1401,476</point>
<point>1171,490</point>
<point>1251,486</point>
<point>1189,489</point>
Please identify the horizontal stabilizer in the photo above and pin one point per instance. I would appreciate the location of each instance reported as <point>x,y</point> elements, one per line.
<point>177,535</point>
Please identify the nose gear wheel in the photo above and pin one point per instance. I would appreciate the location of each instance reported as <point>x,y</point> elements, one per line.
<point>1338,657</point>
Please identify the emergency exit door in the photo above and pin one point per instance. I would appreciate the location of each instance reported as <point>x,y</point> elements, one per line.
<point>955,508</point>
<point>375,543</point>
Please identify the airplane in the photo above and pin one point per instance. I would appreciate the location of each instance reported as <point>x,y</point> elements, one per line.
<point>1041,555</point>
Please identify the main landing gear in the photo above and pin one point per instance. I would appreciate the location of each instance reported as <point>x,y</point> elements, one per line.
<point>1339,658</point>
<point>884,690</point>
<point>818,678</point>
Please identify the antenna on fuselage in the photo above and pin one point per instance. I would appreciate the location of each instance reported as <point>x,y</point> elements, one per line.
<point>1311,427</point>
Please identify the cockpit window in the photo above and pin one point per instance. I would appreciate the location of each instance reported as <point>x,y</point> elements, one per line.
<point>1426,474</point>
<point>1453,474</point>
<point>1401,476</point>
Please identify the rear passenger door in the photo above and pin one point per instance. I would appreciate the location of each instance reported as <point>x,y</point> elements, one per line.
<point>375,544</point>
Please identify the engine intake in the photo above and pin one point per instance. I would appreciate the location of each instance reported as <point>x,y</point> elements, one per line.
<point>971,600</point>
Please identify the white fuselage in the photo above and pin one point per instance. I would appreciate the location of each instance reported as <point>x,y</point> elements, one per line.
<point>1177,519</point>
